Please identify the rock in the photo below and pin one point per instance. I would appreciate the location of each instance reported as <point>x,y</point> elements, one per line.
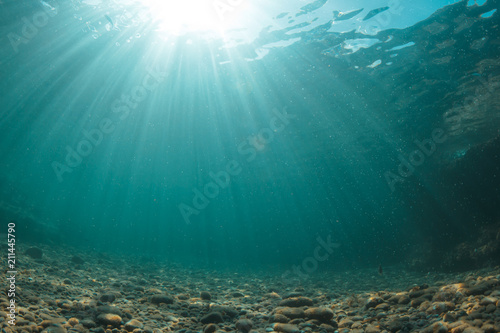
<point>346,323</point>
<point>212,318</point>
<point>372,329</point>
<point>326,327</point>
<point>98,330</point>
<point>450,292</point>
<point>183,297</point>
<point>472,329</point>
<point>244,325</point>
<point>449,317</point>
<point>291,313</point>
<point>273,295</point>
<point>489,328</point>
<point>205,295</point>
<point>321,314</point>
<point>88,323</point>
<point>28,317</point>
<point>373,302</point>
<point>404,299</point>
<point>286,328</point>
<point>396,324</point>
<point>34,252</point>
<point>394,299</point>
<point>107,298</point>
<point>483,286</point>
<point>64,304</point>
<point>238,294</point>
<point>133,324</point>
<point>418,301</point>
<point>225,310</point>
<point>109,309</point>
<point>162,298</point>
<point>54,329</point>
<point>440,307</point>
<point>77,260</point>
<point>490,308</point>
<point>279,318</point>
<point>488,301</point>
<point>210,328</point>
<point>383,306</point>
<point>52,322</point>
<point>439,327</point>
<point>21,321</point>
<point>296,302</point>
<point>73,321</point>
<point>109,319</point>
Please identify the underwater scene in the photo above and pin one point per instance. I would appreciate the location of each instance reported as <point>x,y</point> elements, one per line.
<point>249,166</point>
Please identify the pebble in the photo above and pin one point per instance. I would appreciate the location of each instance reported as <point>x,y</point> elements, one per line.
<point>372,329</point>
<point>213,317</point>
<point>109,309</point>
<point>109,319</point>
<point>54,329</point>
<point>52,322</point>
<point>488,300</point>
<point>321,314</point>
<point>346,322</point>
<point>133,324</point>
<point>88,323</point>
<point>286,328</point>
<point>205,295</point>
<point>210,328</point>
<point>158,299</point>
<point>73,321</point>
<point>373,302</point>
<point>107,298</point>
<point>326,327</point>
<point>291,313</point>
<point>244,325</point>
<point>296,302</point>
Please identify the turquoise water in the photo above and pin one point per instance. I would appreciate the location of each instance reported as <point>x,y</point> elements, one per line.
<point>248,133</point>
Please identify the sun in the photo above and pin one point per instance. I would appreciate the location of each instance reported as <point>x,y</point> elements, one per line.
<point>181,16</point>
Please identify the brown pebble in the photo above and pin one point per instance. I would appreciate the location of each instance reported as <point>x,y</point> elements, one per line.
<point>73,321</point>
<point>291,313</point>
<point>372,329</point>
<point>321,314</point>
<point>133,324</point>
<point>296,302</point>
<point>109,319</point>
<point>286,328</point>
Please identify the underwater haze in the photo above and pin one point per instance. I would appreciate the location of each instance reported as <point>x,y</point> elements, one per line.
<point>329,134</point>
